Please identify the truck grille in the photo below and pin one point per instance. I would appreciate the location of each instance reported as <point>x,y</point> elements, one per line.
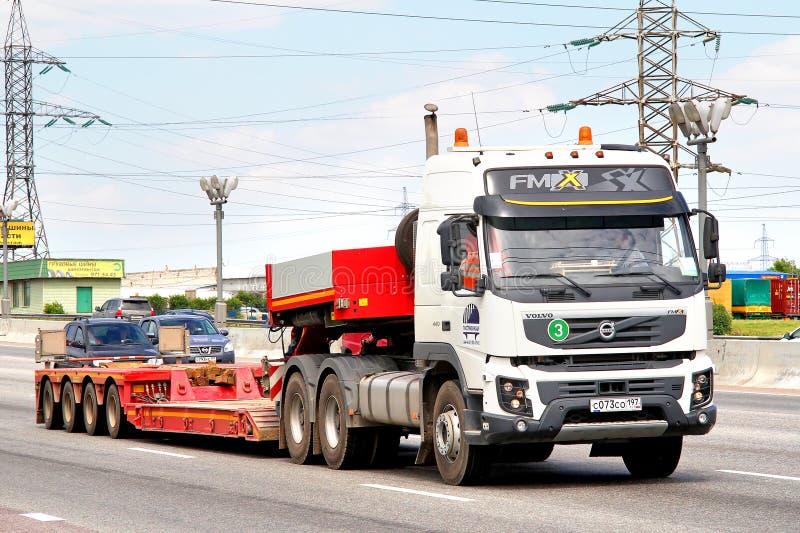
<point>629,331</point>
<point>553,390</point>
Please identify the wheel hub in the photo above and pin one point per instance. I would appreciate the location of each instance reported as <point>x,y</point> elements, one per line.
<point>448,434</point>
<point>297,418</point>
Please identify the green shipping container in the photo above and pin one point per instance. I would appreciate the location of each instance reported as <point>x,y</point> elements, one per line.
<point>750,297</point>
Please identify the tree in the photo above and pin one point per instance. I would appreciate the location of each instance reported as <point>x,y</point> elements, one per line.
<point>721,320</point>
<point>252,299</point>
<point>786,265</point>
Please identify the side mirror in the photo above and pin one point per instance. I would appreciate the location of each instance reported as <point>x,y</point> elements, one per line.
<point>787,336</point>
<point>711,238</point>
<point>97,308</point>
<point>717,273</point>
<point>452,235</point>
<point>224,332</point>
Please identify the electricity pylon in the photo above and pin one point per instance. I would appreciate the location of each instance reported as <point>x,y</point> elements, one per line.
<point>20,108</point>
<point>658,83</point>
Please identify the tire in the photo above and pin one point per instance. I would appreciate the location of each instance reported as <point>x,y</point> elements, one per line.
<point>70,411</point>
<point>51,412</point>
<point>653,458</point>
<point>296,425</point>
<point>118,426</point>
<point>459,463</point>
<point>404,239</point>
<point>342,447</point>
<point>94,416</point>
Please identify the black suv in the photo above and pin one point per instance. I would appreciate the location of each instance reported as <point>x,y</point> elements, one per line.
<point>129,308</point>
<point>106,338</point>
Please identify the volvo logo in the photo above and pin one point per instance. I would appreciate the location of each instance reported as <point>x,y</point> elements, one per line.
<point>607,330</point>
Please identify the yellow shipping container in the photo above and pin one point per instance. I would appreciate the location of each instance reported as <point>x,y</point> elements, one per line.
<point>722,295</point>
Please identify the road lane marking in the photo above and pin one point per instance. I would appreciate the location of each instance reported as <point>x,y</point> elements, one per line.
<point>773,476</point>
<point>418,492</point>
<point>159,452</point>
<point>41,517</point>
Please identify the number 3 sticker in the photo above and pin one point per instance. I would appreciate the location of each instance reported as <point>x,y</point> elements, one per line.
<point>558,329</point>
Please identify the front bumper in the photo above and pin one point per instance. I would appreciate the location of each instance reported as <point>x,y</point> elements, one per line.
<point>568,421</point>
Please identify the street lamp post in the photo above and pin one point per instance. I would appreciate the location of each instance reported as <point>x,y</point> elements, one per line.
<point>5,212</point>
<point>218,191</point>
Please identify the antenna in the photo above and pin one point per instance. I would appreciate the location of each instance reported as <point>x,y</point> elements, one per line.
<point>475,112</point>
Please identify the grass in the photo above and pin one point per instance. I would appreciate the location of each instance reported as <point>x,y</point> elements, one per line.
<point>763,328</point>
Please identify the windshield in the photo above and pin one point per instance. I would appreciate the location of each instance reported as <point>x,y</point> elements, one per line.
<point>196,326</point>
<point>589,251</point>
<point>116,334</point>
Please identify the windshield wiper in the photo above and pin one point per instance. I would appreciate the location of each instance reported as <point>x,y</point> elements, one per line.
<point>571,281</point>
<point>664,280</point>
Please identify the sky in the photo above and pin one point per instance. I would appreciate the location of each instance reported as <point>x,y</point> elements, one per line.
<point>319,113</point>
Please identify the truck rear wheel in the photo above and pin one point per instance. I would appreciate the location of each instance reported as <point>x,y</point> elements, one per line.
<point>652,458</point>
<point>50,411</point>
<point>296,425</point>
<point>93,416</point>
<point>73,416</point>
<point>459,463</point>
<point>118,426</point>
<point>342,447</point>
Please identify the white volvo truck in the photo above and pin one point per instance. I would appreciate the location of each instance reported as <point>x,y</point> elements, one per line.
<point>539,296</point>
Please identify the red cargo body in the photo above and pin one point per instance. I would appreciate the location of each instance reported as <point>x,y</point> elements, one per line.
<point>163,398</point>
<point>363,283</point>
<point>785,297</point>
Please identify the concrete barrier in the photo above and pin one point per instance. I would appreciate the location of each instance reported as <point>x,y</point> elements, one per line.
<point>756,363</point>
<point>743,362</point>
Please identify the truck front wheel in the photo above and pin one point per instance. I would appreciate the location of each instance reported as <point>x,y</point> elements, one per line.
<point>50,411</point>
<point>296,425</point>
<point>342,447</point>
<point>652,458</point>
<point>459,462</point>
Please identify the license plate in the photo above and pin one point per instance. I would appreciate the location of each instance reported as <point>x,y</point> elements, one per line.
<point>205,359</point>
<point>611,405</point>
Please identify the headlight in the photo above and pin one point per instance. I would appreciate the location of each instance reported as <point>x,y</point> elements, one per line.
<point>228,347</point>
<point>702,388</point>
<point>512,397</point>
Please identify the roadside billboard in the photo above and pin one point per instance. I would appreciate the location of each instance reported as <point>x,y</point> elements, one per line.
<point>85,268</point>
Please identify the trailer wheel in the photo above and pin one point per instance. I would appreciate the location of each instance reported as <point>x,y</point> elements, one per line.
<point>118,426</point>
<point>652,458</point>
<point>459,463</point>
<point>342,447</point>
<point>296,425</point>
<point>50,411</point>
<point>94,416</point>
<point>72,414</point>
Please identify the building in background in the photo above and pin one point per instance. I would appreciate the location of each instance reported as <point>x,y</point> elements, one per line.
<point>194,282</point>
<point>79,285</point>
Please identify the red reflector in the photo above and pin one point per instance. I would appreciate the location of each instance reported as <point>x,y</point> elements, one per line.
<point>574,154</point>
<point>548,155</point>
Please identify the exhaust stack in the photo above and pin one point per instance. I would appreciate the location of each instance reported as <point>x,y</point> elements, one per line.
<point>431,131</point>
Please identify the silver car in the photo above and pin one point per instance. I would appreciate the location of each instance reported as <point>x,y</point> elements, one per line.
<point>127,308</point>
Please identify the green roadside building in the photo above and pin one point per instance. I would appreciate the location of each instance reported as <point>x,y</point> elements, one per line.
<point>79,285</point>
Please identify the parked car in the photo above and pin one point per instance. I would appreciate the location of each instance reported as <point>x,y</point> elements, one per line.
<point>128,308</point>
<point>198,312</point>
<point>105,337</point>
<point>206,342</point>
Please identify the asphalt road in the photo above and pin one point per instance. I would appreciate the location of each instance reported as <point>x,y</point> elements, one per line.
<point>744,476</point>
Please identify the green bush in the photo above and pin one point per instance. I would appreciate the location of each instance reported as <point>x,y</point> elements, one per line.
<point>234,304</point>
<point>206,304</point>
<point>54,308</point>
<point>722,320</point>
<point>252,299</point>
<point>178,301</point>
<point>158,302</point>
